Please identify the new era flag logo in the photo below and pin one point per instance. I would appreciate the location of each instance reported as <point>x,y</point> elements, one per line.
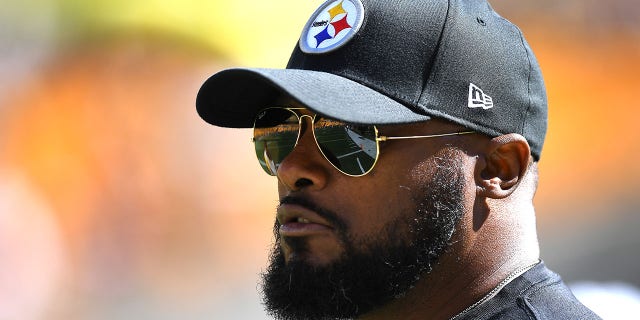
<point>478,99</point>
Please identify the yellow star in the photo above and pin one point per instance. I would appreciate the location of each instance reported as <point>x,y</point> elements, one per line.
<point>338,9</point>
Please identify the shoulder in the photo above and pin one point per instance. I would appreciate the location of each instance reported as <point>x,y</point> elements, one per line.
<point>538,293</point>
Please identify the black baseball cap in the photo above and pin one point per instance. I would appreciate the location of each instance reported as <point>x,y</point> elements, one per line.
<point>396,62</point>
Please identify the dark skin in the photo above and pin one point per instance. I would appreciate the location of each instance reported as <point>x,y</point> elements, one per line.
<point>496,236</point>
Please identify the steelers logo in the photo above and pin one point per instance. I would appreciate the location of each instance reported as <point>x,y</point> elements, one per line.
<point>332,26</point>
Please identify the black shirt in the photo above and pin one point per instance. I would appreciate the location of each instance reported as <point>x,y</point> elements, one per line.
<point>539,293</point>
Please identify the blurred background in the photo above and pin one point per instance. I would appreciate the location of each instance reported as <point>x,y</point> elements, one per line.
<point>118,202</point>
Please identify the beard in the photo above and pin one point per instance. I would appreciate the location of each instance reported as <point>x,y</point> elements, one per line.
<point>373,271</point>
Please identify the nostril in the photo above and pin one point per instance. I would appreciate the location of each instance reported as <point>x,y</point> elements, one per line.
<point>303,182</point>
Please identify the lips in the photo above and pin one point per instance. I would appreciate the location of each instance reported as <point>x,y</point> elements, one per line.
<point>298,221</point>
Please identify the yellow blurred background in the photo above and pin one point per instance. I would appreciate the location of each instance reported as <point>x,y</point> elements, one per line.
<point>118,202</point>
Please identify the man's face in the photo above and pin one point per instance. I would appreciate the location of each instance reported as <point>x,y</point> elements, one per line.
<point>346,245</point>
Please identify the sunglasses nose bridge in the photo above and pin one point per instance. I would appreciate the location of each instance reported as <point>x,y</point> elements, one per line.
<point>302,116</point>
<point>303,126</point>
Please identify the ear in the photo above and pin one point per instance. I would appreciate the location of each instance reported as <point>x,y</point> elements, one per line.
<point>506,159</point>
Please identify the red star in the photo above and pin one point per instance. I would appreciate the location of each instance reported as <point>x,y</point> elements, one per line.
<point>340,25</point>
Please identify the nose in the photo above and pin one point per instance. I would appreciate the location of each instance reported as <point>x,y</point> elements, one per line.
<point>305,167</point>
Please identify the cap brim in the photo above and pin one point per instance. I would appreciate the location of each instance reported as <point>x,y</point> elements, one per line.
<point>232,98</point>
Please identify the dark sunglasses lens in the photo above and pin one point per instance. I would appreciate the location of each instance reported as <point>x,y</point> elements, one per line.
<point>352,149</point>
<point>275,134</point>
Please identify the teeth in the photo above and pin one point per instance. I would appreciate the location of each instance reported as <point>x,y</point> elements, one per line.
<point>303,220</point>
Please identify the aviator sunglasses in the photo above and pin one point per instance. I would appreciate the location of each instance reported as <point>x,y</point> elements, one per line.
<point>353,149</point>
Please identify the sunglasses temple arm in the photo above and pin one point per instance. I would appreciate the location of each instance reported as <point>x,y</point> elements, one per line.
<point>385,138</point>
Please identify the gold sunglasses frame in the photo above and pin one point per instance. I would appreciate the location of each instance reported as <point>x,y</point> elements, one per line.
<point>379,138</point>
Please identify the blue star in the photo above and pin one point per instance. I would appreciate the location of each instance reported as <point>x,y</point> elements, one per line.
<point>322,36</point>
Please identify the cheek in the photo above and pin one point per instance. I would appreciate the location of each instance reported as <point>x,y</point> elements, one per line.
<point>377,203</point>
<point>421,173</point>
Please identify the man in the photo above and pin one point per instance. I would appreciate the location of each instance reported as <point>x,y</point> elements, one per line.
<point>405,137</point>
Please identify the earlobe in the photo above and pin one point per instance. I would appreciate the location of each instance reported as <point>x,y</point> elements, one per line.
<point>502,166</point>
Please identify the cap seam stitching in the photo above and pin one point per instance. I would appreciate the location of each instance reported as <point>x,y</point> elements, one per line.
<point>526,115</point>
<point>426,76</point>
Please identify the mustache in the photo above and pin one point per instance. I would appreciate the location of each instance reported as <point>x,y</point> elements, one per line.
<point>329,215</point>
